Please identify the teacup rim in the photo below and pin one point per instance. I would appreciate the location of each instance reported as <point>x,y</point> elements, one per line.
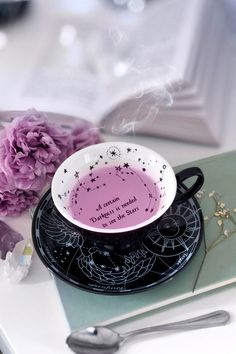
<point>111,231</point>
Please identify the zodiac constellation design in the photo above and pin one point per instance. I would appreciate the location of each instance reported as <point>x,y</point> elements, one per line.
<point>96,264</point>
<point>69,254</point>
<point>104,268</point>
<point>59,230</point>
<point>176,233</point>
<point>93,181</point>
<point>113,153</point>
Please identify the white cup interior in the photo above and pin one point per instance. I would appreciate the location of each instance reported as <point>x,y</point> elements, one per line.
<point>116,155</point>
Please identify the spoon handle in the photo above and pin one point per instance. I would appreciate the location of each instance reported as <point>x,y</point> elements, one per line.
<point>212,319</point>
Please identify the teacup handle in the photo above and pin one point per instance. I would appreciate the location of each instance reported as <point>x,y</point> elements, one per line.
<point>185,174</point>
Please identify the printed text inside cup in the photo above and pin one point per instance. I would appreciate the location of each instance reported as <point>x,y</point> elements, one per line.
<point>114,197</point>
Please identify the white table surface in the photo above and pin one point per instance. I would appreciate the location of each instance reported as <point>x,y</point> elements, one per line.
<point>31,316</point>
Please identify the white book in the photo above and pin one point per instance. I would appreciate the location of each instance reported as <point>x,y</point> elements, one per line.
<point>197,110</point>
<point>108,65</point>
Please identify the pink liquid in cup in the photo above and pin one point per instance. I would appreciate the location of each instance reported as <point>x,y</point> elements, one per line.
<point>114,197</point>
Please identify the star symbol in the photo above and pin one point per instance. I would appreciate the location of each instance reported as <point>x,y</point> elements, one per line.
<point>118,168</point>
<point>59,196</point>
<point>128,149</point>
<point>65,170</point>
<point>91,167</point>
<point>76,174</point>
<point>113,153</point>
<point>126,165</point>
<point>93,180</point>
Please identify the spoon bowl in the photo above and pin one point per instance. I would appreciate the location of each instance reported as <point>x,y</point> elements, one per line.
<point>102,340</point>
<point>95,340</point>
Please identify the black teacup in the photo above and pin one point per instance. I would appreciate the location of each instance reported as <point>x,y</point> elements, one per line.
<point>116,191</point>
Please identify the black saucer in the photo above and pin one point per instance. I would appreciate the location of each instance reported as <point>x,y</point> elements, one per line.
<point>167,249</point>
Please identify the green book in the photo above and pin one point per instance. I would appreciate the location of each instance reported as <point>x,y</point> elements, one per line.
<point>212,267</point>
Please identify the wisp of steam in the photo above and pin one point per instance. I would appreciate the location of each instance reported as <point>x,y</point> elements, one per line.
<point>139,85</point>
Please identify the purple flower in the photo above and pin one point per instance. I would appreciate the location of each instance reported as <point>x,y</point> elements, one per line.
<point>13,202</point>
<point>31,149</point>
<point>84,134</point>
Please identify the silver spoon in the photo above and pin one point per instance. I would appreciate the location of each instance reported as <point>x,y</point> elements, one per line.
<point>102,340</point>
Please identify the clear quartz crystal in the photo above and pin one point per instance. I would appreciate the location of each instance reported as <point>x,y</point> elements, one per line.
<point>17,263</point>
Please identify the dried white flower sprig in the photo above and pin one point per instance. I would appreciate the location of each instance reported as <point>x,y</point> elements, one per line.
<point>223,216</point>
